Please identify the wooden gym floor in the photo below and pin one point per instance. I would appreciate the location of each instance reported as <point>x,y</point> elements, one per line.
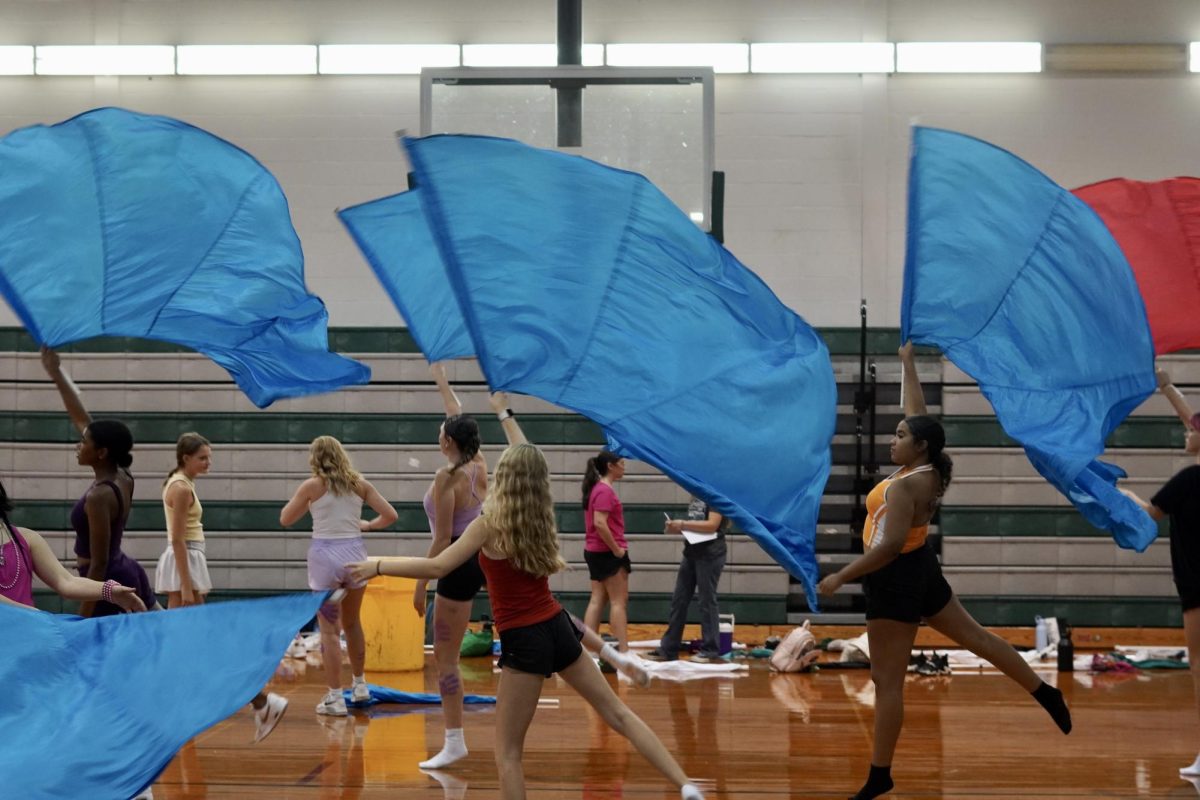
<point>759,736</point>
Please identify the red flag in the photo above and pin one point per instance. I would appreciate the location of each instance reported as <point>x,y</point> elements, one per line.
<point>1157,226</point>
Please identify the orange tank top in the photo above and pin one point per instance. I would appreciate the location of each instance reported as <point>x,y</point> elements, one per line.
<point>877,514</point>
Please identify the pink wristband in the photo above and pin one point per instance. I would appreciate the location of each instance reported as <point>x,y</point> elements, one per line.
<point>107,589</point>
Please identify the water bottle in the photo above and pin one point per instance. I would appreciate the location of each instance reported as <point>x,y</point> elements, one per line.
<point>1041,637</point>
<point>1066,648</point>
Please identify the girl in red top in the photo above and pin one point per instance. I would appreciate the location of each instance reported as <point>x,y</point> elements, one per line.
<point>517,546</point>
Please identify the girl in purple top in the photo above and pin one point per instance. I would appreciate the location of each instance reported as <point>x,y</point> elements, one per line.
<point>24,554</point>
<point>453,501</point>
<point>605,549</point>
<point>99,516</point>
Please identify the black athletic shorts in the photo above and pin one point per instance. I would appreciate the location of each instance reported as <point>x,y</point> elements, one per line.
<point>463,582</point>
<point>908,589</point>
<point>603,565</point>
<point>543,648</point>
<point>1189,596</point>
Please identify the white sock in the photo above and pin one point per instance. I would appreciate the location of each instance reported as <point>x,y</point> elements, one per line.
<point>613,656</point>
<point>454,749</point>
<point>1192,768</point>
<point>358,679</point>
<point>689,791</point>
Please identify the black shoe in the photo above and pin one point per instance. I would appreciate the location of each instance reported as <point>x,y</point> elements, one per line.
<point>606,667</point>
<point>658,655</point>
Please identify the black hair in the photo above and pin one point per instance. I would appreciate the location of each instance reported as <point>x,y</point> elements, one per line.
<point>597,468</point>
<point>5,506</point>
<point>463,430</point>
<point>114,437</point>
<point>925,428</point>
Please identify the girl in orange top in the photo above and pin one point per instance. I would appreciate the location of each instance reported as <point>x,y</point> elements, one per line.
<point>516,543</point>
<point>903,581</point>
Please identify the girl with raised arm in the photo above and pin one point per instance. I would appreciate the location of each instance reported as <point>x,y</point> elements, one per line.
<point>1179,499</point>
<point>903,581</point>
<point>334,496</point>
<point>516,544</point>
<point>452,502</point>
<point>100,515</point>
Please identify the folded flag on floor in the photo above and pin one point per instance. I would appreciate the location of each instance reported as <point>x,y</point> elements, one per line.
<point>102,705</point>
<point>386,694</point>
<point>121,224</point>
<point>1026,290</point>
<point>585,286</point>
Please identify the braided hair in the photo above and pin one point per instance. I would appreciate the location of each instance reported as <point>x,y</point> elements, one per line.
<point>463,430</point>
<point>925,428</point>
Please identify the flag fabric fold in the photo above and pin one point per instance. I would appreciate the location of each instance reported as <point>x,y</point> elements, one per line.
<point>585,286</point>
<point>114,223</point>
<point>1022,286</point>
<point>396,241</point>
<point>102,705</point>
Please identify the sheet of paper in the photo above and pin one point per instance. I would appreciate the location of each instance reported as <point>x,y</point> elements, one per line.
<point>697,538</point>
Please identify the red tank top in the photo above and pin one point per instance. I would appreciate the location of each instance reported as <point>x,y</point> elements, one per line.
<point>518,599</point>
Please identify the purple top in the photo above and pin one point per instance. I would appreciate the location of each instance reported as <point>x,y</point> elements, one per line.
<point>16,574</point>
<point>462,516</point>
<point>121,568</point>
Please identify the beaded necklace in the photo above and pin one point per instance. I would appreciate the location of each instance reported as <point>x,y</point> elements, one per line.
<point>17,552</point>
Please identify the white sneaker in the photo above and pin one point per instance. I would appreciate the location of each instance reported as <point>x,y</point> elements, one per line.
<point>146,795</point>
<point>360,692</point>
<point>297,649</point>
<point>267,717</point>
<point>333,704</point>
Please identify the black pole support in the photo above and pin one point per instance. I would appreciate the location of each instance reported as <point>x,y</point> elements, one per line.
<point>569,110</point>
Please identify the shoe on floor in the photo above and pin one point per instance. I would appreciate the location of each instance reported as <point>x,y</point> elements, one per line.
<point>332,704</point>
<point>658,655</point>
<point>708,658</point>
<point>360,693</point>
<point>607,668</point>
<point>297,648</point>
<point>267,717</point>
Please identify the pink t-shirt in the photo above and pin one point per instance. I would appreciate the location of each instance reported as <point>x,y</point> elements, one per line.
<point>603,498</point>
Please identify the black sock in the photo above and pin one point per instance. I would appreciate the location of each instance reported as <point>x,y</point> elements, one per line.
<point>878,782</point>
<point>1052,700</point>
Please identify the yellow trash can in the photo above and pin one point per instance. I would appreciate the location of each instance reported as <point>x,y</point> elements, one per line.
<point>394,633</point>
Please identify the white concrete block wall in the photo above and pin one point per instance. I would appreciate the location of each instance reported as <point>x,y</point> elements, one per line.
<point>816,165</point>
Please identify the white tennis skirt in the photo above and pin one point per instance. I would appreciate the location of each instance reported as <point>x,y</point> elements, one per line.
<point>166,575</point>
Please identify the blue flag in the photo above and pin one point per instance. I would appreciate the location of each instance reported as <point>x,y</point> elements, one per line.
<point>98,707</point>
<point>1022,286</point>
<point>393,236</point>
<point>121,224</point>
<point>585,286</point>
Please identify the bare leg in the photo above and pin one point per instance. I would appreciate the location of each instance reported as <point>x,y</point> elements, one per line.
<point>331,646</point>
<point>891,645</point>
<point>516,702</point>
<point>595,606</point>
<point>356,642</point>
<point>629,664</point>
<point>450,619</point>
<point>617,587</point>
<point>1191,629</point>
<point>587,680</point>
<point>954,621</point>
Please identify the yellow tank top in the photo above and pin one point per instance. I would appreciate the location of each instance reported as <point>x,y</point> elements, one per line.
<point>194,531</point>
<point>877,514</point>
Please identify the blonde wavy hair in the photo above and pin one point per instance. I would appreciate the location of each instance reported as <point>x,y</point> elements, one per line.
<point>520,512</point>
<point>331,463</point>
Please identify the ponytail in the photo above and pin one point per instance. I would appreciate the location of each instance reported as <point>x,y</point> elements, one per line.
<point>597,468</point>
<point>188,445</point>
<point>463,430</point>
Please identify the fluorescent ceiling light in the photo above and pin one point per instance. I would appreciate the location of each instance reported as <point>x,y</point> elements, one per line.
<point>16,60</point>
<point>524,55</point>
<point>248,59</point>
<point>103,59</point>
<point>721,57</point>
<point>969,57</point>
<point>385,59</point>
<point>852,57</point>
<point>1194,57</point>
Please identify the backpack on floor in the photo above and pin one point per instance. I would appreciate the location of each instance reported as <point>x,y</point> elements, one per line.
<point>477,643</point>
<point>796,652</point>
